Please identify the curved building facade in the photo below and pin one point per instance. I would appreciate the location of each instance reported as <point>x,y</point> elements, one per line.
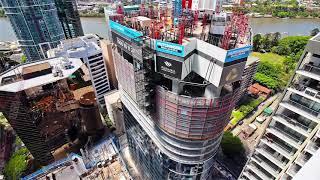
<point>196,118</point>
<point>177,99</point>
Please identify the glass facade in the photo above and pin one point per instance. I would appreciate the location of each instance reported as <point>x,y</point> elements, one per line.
<point>69,17</point>
<point>36,25</point>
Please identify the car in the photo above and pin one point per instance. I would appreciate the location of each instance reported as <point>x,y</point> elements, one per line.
<point>261,119</point>
<point>240,122</point>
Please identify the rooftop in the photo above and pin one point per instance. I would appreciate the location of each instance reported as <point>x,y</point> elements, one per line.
<point>15,83</point>
<point>251,60</point>
<point>256,88</point>
<point>316,37</point>
<point>76,47</point>
<point>102,161</point>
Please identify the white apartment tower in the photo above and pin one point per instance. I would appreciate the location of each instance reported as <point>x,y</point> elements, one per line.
<point>87,48</point>
<point>293,134</point>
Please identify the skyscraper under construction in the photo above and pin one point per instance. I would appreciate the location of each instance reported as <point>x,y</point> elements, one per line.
<point>178,87</point>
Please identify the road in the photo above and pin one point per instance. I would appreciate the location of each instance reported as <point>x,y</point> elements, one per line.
<point>250,142</point>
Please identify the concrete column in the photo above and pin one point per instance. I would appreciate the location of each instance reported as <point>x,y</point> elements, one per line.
<point>177,86</point>
<point>212,91</point>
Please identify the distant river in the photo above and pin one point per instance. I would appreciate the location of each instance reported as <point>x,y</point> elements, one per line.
<point>259,25</point>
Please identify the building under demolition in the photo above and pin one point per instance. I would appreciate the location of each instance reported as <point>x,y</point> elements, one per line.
<point>178,83</point>
<point>46,104</point>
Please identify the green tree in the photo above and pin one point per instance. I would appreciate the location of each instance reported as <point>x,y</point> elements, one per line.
<point>292,44</point>
<point>23,58</point>
<point>246,109</point>
<point>314,32</point>
<point>275,39</point>
<point>231,145</point>
<point>16,165</point>
<point>289,63</point>
<point>265,42</point>
<point>257,42</point>
<point>101,10</point>
<point>266,81</point>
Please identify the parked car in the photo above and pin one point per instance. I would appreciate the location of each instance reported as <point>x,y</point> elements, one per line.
<point>240,122</point>
<point>249,130</point>
<point>260,119</point>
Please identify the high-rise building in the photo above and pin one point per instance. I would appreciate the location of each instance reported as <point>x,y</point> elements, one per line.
<point>247,77</point>
<point>293,134</point>
<point>106,47</point>
<point>88,49</point>
<point>36,25</point>
<point>45,104</point>
<point>69,17</point>
<point>177,99</point>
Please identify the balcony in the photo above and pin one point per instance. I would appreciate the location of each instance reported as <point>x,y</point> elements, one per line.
<point>293,124</point>
<point>285,136</point>
<point>286,152</point>
<point>258,172</point>
<point>318,133</point>
<point>286,177</point>
<point>271,157</point>
<point>310,70</point>
<point>250,176</point>
<point>266,166</point>
<point>303,158</point>
<point>300,109</point>
<point>293,169</point>
<point>312,147</point>
<point>307,92</point>
<point>307,87</point>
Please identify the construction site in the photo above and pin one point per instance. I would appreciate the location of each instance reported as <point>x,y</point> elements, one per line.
<point>50,107</point>
<point>179,67</point>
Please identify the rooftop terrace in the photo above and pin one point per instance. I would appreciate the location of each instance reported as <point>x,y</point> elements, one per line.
<point>13,80</point>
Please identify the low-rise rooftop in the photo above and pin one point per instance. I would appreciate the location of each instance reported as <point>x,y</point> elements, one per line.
<point>12,80</point>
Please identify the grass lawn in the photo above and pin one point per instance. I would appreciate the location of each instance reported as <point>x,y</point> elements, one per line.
<point>278,62</point>
<point>237,115</point>
<point>270,57</point>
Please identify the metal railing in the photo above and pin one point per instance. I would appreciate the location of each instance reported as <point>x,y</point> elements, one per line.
<point>281,146</point>
<point>288,135</point>
<point>307,90</point>
<point>294,122</point>
<point>312,68</point>
<point>313,146</point>
<point>304,108</point>
<point>303,159</point>
<point>271,154</point>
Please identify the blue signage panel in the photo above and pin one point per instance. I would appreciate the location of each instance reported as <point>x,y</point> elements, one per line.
<point>170,48</point>
<point>131,33</point>
<point>238,53</point>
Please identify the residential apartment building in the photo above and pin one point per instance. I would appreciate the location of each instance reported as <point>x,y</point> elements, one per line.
<point>36,25</point>
<point>292,136</point>
<point>88,49</point>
